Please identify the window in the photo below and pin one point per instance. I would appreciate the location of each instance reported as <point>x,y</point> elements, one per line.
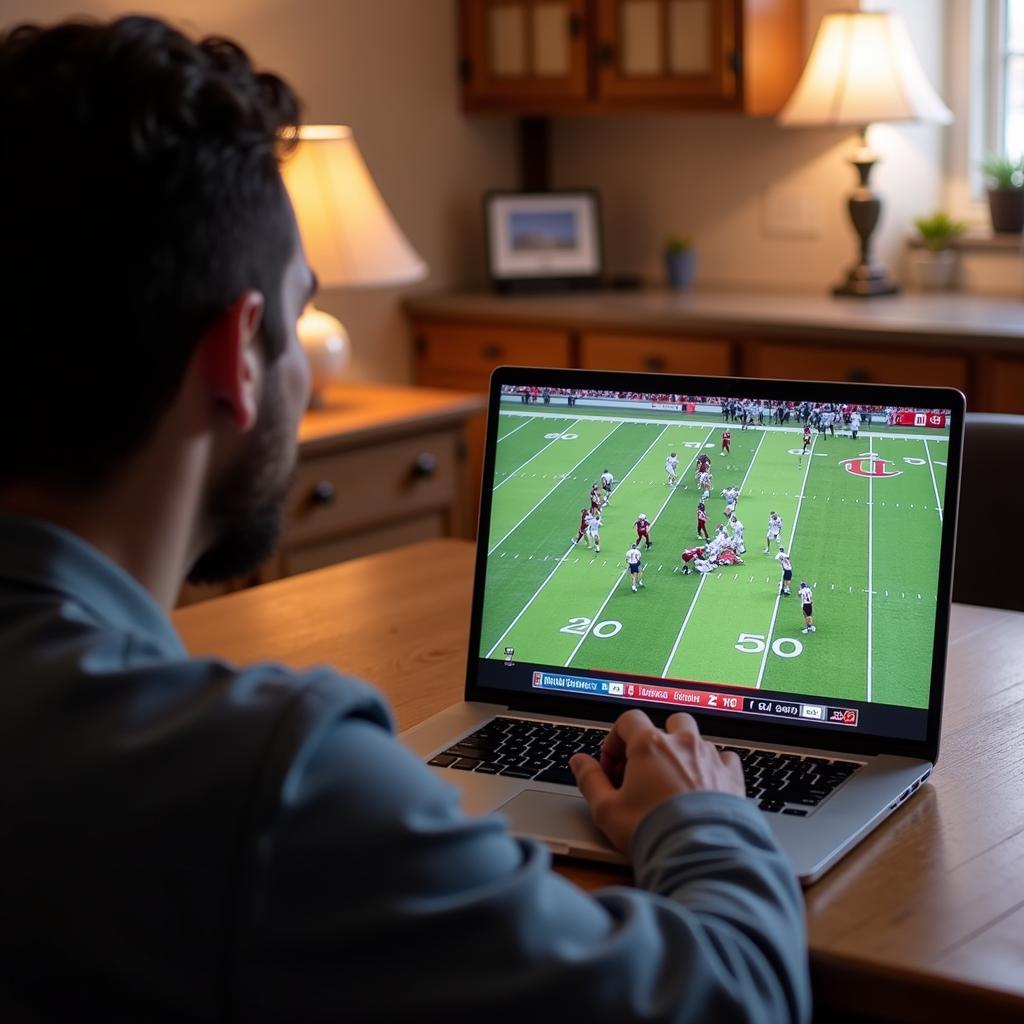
<point>1006,113</point>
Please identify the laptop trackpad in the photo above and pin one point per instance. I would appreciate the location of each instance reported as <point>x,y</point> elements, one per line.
<point>551,816</point>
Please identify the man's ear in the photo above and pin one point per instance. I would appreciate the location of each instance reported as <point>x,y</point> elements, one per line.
<point>233,359</point>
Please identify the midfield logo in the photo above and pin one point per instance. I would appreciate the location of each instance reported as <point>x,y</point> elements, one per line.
<point>869,464</point>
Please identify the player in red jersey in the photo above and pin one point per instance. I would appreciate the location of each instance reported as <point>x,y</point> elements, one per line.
<point>726,441</point>
<point>702,521</point>
<point>688,556</point>
<point>582,533</point>
<point>703,465</point>
<point>643,529</point>
<point>595,499</point>
<point>807,437</point>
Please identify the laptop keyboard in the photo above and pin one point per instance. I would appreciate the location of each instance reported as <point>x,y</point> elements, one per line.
<point>519,748</point>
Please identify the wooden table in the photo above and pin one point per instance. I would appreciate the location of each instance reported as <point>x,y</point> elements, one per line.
<point>923,921</point>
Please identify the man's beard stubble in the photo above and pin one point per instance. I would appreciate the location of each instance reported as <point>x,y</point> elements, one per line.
<point>247,504</point>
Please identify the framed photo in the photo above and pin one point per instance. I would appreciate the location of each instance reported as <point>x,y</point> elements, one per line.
<point>543,241</point>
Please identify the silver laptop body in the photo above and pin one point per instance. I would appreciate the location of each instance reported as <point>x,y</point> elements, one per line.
<point>564,634</point>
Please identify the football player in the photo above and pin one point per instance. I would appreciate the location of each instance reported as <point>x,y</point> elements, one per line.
<point>643,529</point>
<point>607,483</point>
<point>581,534</point>
<point>774,532</point>
<point>807,603</point>
<point>787,570</point>
<point>726,441</point>
<point>594,530</point>
<point>636,570</point>
<point>672,469</point>
<point>702,521</point>
<point>737,536</point>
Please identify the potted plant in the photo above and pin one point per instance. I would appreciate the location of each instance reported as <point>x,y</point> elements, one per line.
<point>680,262</point>
<point>933,267</point>
<point>1005,178</point>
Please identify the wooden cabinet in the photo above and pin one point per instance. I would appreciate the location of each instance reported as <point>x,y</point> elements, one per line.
<point>378,467</point>
<point>540,57</point>
<point>1006,384</point>
<point>860,363</point>
<point>463,355</point>
<point>524,49</point>
<point>646,353</point>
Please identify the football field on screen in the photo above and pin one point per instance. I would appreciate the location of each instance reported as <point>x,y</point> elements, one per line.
<point>861,520</point>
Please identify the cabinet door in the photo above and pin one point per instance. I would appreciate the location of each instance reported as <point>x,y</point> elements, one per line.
<point>667,50</point>
<point>523,50</point>
<point>463,355</point>
<point>654,354</point>
<point>1006,385</point>
<point>854,362</point>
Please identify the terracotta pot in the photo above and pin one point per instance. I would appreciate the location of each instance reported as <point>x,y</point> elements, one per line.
<point>1006,207</point>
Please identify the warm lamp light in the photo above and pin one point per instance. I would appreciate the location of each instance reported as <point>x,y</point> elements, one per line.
<point>349,234</point>
<point>862,69</point>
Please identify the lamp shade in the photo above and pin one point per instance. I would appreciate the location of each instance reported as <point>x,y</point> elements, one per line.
<point>863,68</point>
<point>348,232</point>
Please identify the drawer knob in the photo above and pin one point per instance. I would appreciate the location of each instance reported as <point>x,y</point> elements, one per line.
<point>859,375</point>
<point>654,363</point>
<point>323,493</point>
<point>493,351</point>
<point>425,466</point>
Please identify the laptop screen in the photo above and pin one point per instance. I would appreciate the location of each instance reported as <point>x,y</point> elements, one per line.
<point>769,558</point>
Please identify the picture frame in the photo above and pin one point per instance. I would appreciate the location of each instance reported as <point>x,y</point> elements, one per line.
<point>543,241</point>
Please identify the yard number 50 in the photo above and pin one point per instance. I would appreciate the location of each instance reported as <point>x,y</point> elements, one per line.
<point>754,643</point>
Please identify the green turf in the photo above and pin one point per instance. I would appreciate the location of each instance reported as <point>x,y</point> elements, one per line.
<point>559,604</point>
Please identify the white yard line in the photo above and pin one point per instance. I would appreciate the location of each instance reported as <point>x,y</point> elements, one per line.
<point>671,491</point>
<point>704,576</point>
<point>554,487</point>
<point>570,548</point>
<point>938,500</point>
<point>511,432</point>
<point>871,573</point>
<point>796,428</point>
<point>536,453</point>
<point>789,551</point>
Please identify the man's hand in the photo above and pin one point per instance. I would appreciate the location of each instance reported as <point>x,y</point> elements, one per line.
<point>641,767</point>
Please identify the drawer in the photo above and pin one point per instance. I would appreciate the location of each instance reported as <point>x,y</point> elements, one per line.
<point>340,549</point>
<point>1006,385</point>
<point>357,489</point>
<point>472,351</point>
<point>854,363</point>
<point>654,354</point>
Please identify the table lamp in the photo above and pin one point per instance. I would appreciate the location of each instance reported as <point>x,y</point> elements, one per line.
<point>863,68</point>
<point>350,237</point>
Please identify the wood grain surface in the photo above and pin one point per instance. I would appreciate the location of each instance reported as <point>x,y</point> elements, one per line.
<point>923,921</point>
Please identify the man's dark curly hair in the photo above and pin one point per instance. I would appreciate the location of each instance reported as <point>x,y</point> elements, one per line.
<point>141,196</point>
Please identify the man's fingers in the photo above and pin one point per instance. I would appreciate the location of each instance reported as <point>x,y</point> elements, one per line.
<point>627,727</point>
<point>681,722</point>
<point>593,782</point>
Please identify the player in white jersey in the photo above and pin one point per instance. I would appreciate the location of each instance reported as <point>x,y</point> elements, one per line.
<point>636,570</point>
<point>704,482</point>
<point>807,603</point>
<point>787,570</point>
<point>731,495</point>
<point>672,469</point>
<point>854,423</point>
<point>607,483</point>
<point>774,532</point>
<point>737,536</point>
<point>594,530</point>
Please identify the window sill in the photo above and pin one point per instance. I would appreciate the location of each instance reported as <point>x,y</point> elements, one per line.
<point>980,241</point>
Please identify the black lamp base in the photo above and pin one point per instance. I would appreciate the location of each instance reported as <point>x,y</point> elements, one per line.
<point>866,279</point>
<point>867,282</point>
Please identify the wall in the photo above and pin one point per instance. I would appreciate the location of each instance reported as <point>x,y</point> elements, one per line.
<point>388,68</point>
<point>715,176</point>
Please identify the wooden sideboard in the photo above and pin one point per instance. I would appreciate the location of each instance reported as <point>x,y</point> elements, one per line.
<point>972,343</point>
<point>378,467</point>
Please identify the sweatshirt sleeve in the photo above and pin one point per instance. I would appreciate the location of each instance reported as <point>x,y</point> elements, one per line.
<point>364,892</point>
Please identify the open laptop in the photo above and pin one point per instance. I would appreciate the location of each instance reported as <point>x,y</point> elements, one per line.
<point>813,642</point>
